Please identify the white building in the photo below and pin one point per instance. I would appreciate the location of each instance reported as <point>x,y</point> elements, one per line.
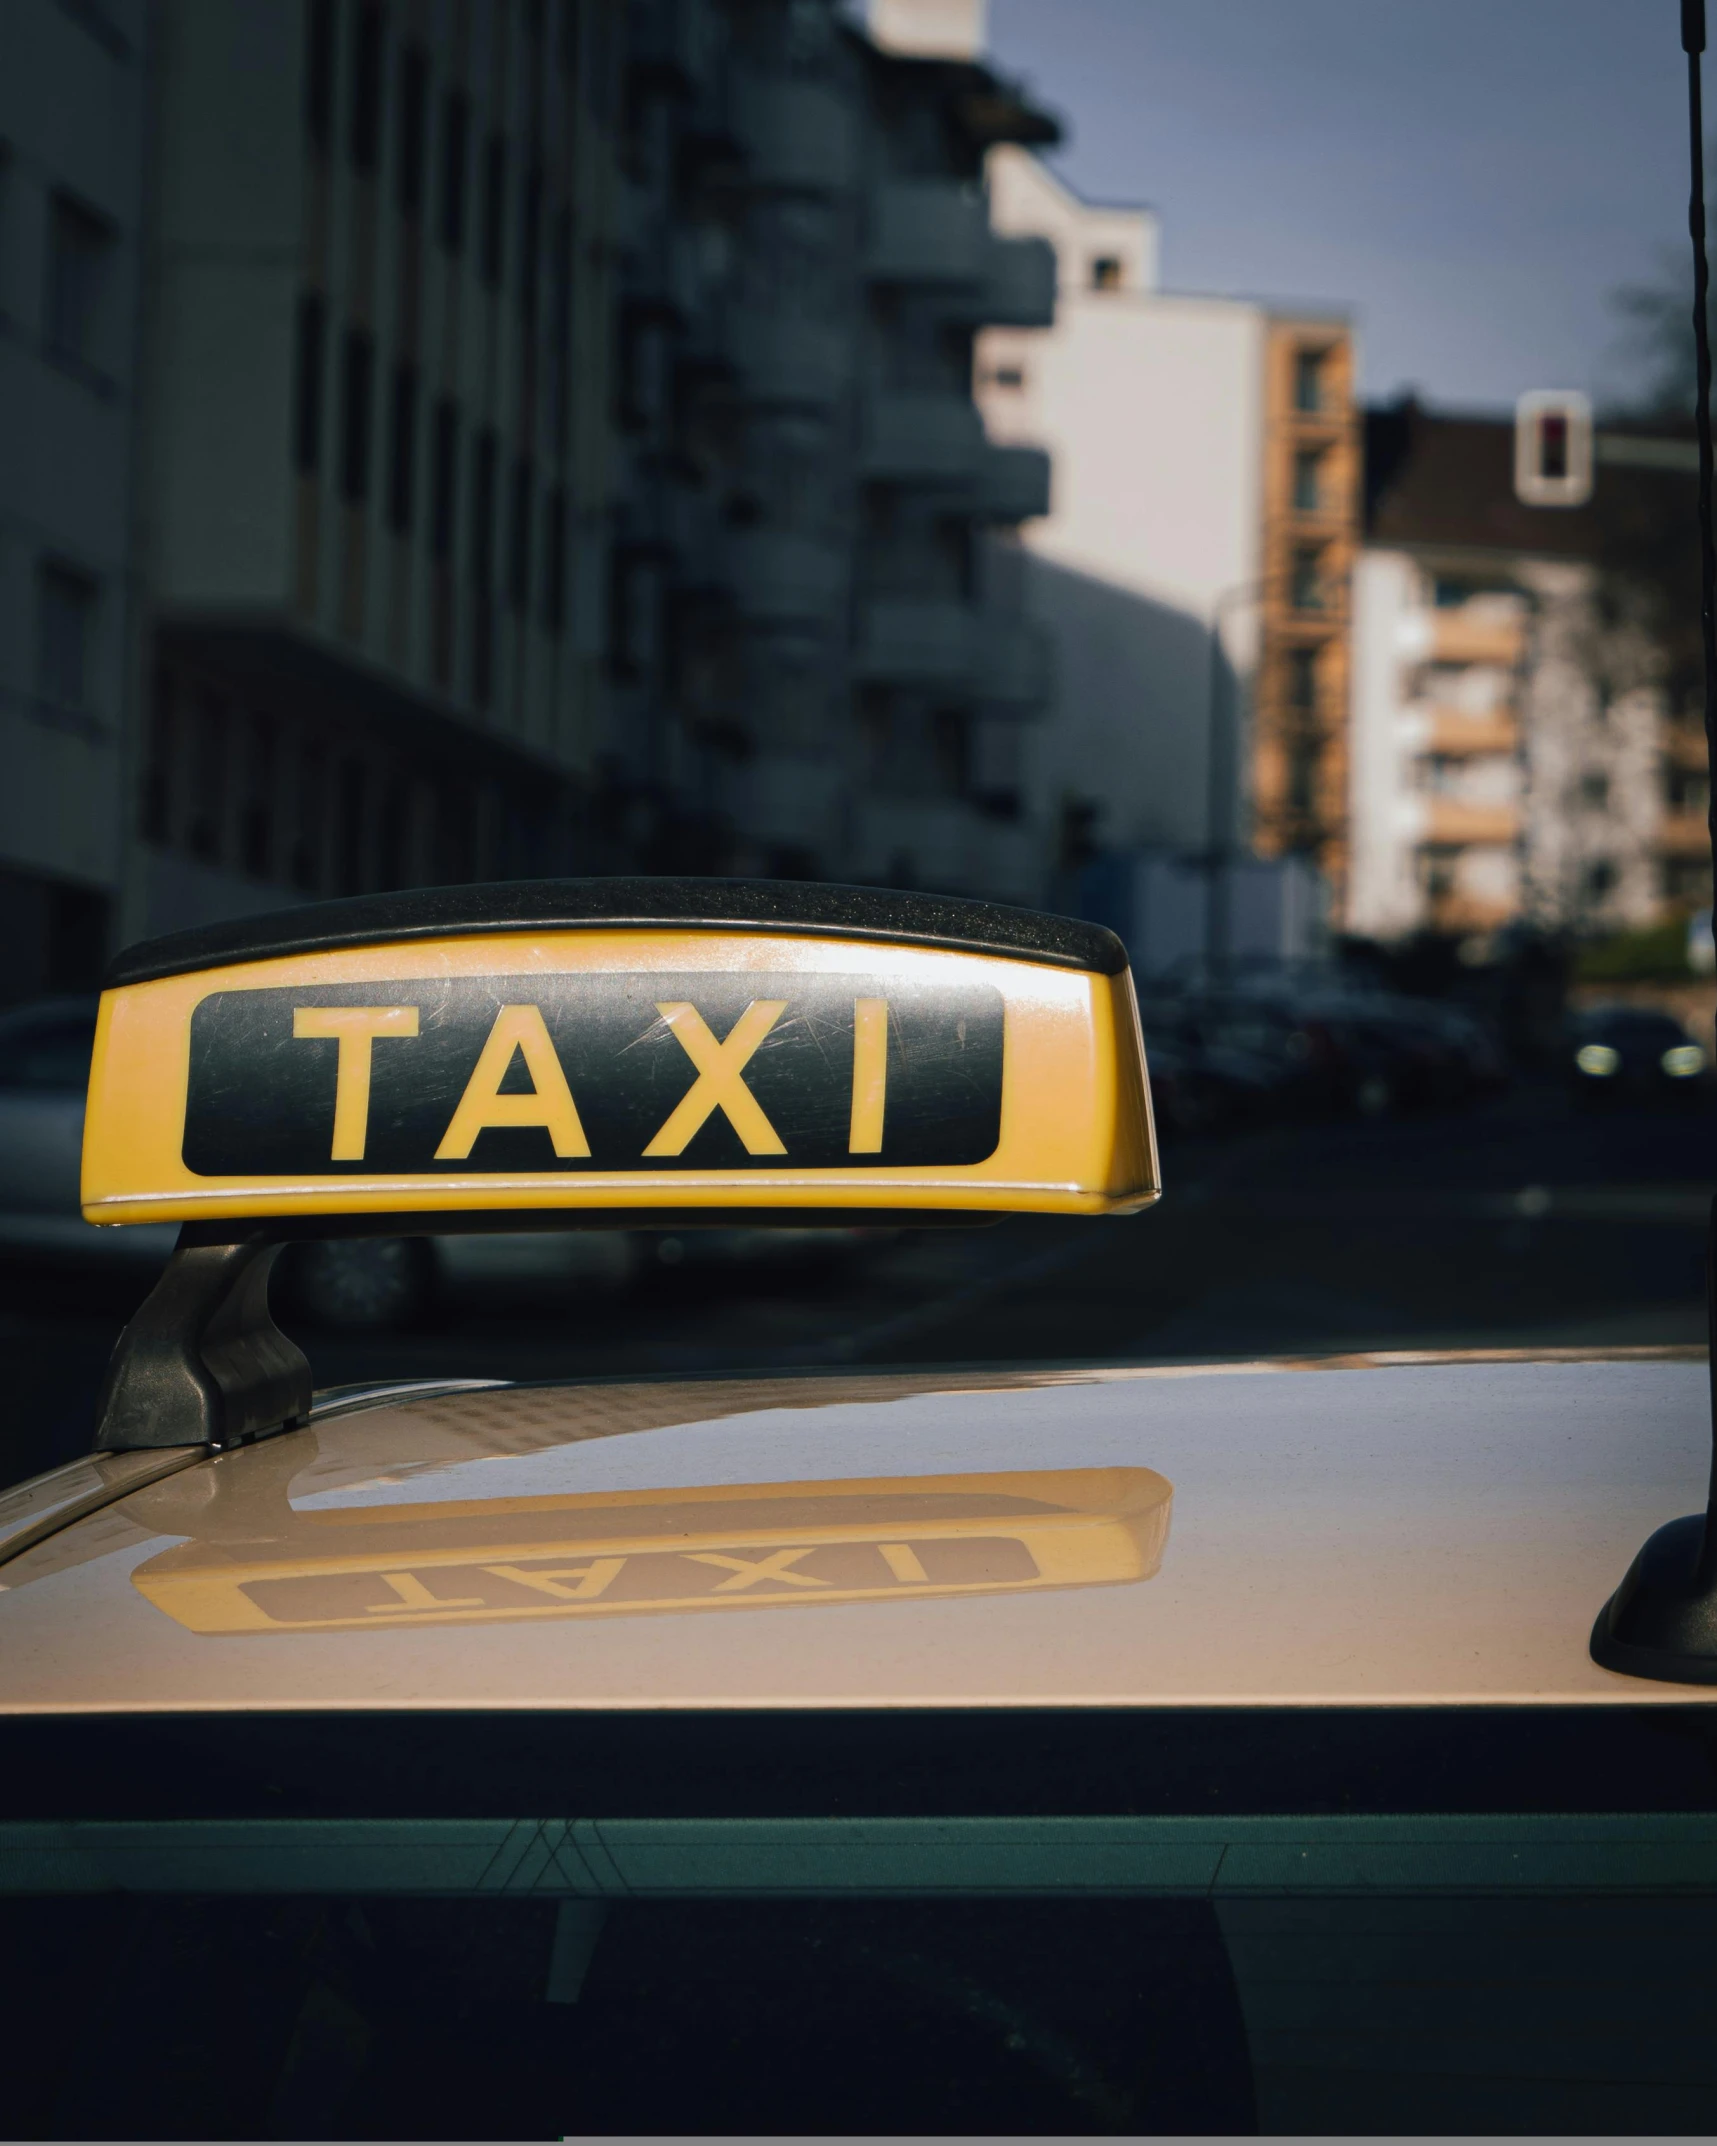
<point>71,204</point>
<point>1517,756</point>
<point>1152,409</point>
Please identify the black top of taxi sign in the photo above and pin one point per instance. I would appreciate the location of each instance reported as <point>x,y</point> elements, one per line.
<point>794,908</point>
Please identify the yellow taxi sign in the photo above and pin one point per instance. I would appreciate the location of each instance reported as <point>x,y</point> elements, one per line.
<point>616,1047</point>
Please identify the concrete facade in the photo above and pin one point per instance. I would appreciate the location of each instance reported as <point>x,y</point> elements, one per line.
<point>376,439</point>
<point>72,153</point>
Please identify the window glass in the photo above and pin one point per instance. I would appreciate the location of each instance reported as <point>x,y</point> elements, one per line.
<point>65,633</point>
<point>52,1054</point>
<point>80,248</point>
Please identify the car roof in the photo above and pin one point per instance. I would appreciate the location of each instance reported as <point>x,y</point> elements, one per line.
<point>1377,1531</point>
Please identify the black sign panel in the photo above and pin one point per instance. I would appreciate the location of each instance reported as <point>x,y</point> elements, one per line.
<point>593,1072</point>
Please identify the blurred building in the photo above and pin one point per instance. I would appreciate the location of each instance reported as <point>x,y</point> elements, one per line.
<point>1521,751</point>
<point>375,446</point>
<point>1193,569</point>
<point>818,663</point>
<point>72,130</point>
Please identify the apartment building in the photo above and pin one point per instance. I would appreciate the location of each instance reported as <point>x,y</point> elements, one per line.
<point>375,445</point>
<point>1192,571</point>
<point>72,135</point>
<point>817,663</point>
<point>1297,762</point>
<point>1519,753</point>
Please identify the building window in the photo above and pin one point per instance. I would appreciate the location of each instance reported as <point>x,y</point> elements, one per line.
<point>483,511</point>
<point>1594,790</point>
<point>402,448</point>
<point>306,859</point>
<point>1687,880</point>
<point>1305,579</point>
<point>1553,449</point>
<point>519,538</point>
<point>1308,481</point>
<point>443,479</point>
<point>65,638</point>
<point>367,86</point>
<point>1309,370</point>
<point>80,248</point>
<point>1686,789</point>
<point>413,129</point>
<point>155,819</point>
<point>1600,879</point>
<point>206,824</point>
<point>1303,680</point>
<point>350,828</point>
<point>554,563</point>
<point>308,363</point>
<point>256,812</point>
<point>1106,273</point>
<point>1008,376</point>
<point>319,73</point>
<point>455,161</point>
<point>530,241</point>
<point>494,208</point>
<point>356,391</point>
<point>1303,782</point>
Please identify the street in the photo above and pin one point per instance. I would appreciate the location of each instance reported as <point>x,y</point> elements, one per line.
<point>1521,1223</point>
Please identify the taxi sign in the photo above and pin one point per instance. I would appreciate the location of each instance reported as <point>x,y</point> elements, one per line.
<point>612,1047</point>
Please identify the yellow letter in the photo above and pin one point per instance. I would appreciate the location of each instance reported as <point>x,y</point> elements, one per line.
<point>718,1085</point>
<point>591,1579</point>
<point>746,1572</point>
<point>413,1595</point>
<point>357,1027</point>
<point>517,1028</point>
<point>870,1075</point>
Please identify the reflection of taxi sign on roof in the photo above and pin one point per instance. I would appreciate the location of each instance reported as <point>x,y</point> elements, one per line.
<point>583,1051</point>
<point>619,1553</point>
<point>636,1044</point>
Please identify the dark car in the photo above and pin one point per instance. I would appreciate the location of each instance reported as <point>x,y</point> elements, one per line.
<point>1633,1053</point>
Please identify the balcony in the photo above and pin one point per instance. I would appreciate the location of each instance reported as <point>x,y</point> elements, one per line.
<point>663,48</point>
<point>920,641</point>
<point>797,135</point>
<point>1459,637</point>
<point>925,439</point>
<point>928,231</point>
<point>786,362</point>
<point>1454,912</point>
<point>1015,673</point>
<point>1453,823</point>
<point>1017,286</point>
<point>1013,484</point>
<point>1455,735</point>
<point>790,798</point>
<point>780,579</point>
<point>1683,834</point>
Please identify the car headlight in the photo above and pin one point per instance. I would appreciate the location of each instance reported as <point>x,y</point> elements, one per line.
<point>1599,1060</point>
<point>1683,1061</point>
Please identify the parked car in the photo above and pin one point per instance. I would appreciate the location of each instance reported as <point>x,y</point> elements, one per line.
<point>1632,1053</point>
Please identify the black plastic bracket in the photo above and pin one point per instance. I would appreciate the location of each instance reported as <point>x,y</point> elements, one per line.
<point>202,1363</point>
<point>1661,1622</point>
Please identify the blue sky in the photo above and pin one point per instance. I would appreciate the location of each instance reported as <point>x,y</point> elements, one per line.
<point>1473,178</point>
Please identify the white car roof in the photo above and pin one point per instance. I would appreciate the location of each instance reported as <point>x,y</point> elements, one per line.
<point>1389,1533</point>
